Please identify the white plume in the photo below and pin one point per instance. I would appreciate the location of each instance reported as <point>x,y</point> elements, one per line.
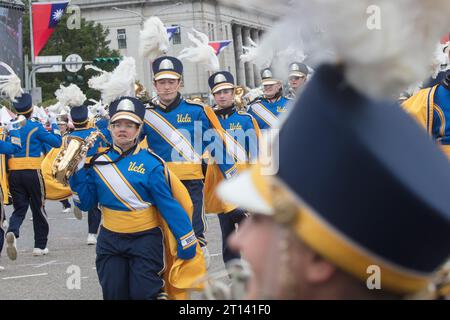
<point>39,112</point>
<point>10,84</point>
<point>71,96</point>
<point>153,39</point>
<point>384,45</point>
<point>121,82</point>
<point>252,94</point>
<point>96,82</point>
<point>58,108</point>
<point>202,53</point>
<point>251,52</point>
<point>5,116</point>
<point>441,59</point>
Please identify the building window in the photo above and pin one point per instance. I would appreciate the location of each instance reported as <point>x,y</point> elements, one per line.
<point>176,38</point>
<point>211,31</point>
<point>122,38</point>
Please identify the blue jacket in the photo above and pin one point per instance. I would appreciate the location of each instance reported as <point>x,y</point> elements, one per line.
<point>244,130</point>
<point>11,144</point>
<point>181,135</point>
<point>129,192</point>
<point>32,138</point>
<point>267,113</point>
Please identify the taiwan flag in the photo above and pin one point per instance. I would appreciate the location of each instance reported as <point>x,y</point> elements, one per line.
<point>218,46</point>
<point>46,16</point>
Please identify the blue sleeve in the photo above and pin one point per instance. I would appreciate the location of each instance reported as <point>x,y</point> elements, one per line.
<point>170,209</point>
<point>224,160</point>
<point>53,139</point>
<point>82,184</point>
<point>12,144</point>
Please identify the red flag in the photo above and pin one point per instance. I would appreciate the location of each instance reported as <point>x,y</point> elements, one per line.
<point>46,16</point>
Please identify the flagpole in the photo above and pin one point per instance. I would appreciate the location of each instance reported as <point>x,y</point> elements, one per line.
<point>32,43</point>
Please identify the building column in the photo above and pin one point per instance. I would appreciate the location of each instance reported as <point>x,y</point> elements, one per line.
<point>250,80</point>
<point>256,70</point>
<point>237,39</point>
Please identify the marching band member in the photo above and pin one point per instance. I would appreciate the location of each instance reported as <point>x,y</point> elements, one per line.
<point>241,133</point>
<point>175,128</point>
<point>80,119</point>
<point>25,178</point>
<point>10,145</point>
<point>268,109</point>
<point>298,74</point>
<point>138,196</point>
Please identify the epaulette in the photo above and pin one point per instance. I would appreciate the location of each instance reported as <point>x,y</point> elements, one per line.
<point>196,103</point>
<point>243,113</point>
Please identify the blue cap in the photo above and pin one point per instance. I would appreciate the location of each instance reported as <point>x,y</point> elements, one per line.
<point>79,115</point>
<point>167,68</point>
<point>221,80</point>
<point>23,104</point>
<point>128,108</point>
<point>369,185</point>
<point>267,77</point>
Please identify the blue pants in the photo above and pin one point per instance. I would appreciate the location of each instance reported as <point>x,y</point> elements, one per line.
<point>66,204</point>
<point>195,189</point>
<point>27,190</point>
<point>227,225</point>
<point>128,265</point>
<point>94,219</point>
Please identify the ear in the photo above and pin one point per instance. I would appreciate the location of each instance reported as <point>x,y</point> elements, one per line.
<point>318,270</point>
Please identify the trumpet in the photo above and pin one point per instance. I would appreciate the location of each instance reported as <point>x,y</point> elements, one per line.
<point>239,98</point>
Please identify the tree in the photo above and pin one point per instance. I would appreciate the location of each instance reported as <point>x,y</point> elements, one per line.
<point>89,42</point>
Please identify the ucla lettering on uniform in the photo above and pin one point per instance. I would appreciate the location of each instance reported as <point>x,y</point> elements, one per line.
<point>139,169</point>
<point>184,118</point>
<point>235,126</point>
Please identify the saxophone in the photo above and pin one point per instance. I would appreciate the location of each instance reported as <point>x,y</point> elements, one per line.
<point>68,158</point>
<point>239,98</point>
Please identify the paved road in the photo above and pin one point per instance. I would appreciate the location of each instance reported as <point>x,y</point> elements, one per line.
<point>53,277</point>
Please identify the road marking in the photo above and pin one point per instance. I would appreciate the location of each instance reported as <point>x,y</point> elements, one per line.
<point>45,264</point>
<point>26,276</point>
<point>215,254</point>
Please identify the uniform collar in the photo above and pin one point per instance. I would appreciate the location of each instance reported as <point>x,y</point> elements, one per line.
<point>276,98</point>
<point>224,113</point>
<point>134,150</point>
<point>171,106</point>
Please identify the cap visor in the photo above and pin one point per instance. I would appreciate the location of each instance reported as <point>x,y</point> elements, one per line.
<point>269,82</point>
<point>167,76</point>
<point>242,191</point>
<point>222,87</point>
<point>124,116</point>
<point>297,74</point>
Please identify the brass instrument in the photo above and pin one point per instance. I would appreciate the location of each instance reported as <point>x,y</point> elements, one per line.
<point>140,92</point>
<point>67,160</point>
<point>239,100</point>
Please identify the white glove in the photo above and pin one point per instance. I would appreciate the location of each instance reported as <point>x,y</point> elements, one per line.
<point>13,125</point>
<point>102,111</point>
<point>81,163</point>
<point>52,118</point>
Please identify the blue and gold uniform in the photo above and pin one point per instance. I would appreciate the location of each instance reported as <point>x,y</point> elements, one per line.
<point>180,134</point>
<point>137,196</point>
<point>10,145</point>
<point>241,132</point>
<point>431,108</point>
<point>80,121</point>
<point>267,111</point>
<point>25,179</point>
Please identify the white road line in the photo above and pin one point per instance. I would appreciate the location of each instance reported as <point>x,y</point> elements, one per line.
<point>26,276</point>
<point>45,264</point>
<point>215,254</point>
